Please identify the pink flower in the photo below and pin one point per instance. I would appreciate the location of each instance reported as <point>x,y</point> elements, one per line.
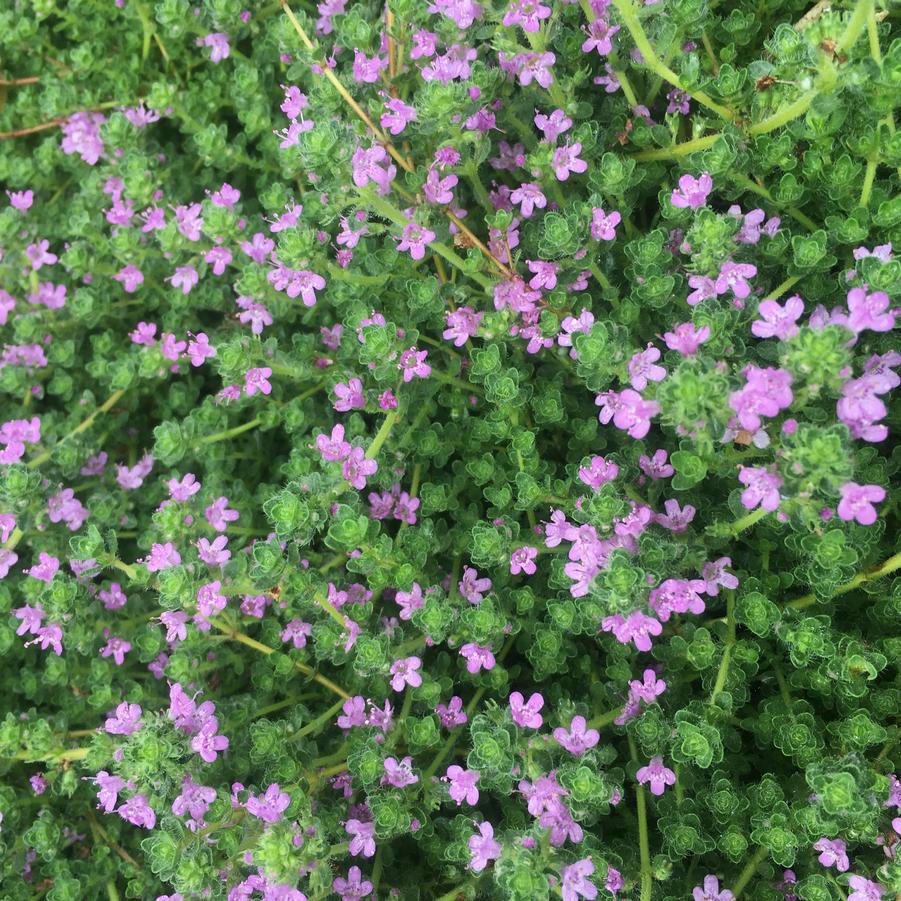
<point>657,775</point>
<point>692,192</point>
<point>870,311</point>
<point>116,648</point>
<point>527,13</point>
<point>362,837</point>
<point>194,801</point>
<point>528,196</point>
<point>462,785</point>
<point>857,502</point>
<point>762,488</point>
<point>574,882</point>
<point>127,720</point>
<point>130,277</point>
<point>643,368</point>
<point>163,556</point>
<point>353,887</point>
<point>206,743</point>
<point>398,116</point>
<point>600,37</point>
<point>686,339</point>
<point>269,807</point>
<point>553,125</point>
<point>138,812</point>
<point>603,225</point>
<point>526,714</point>
<point>710,891</point>
<point>218,514</point>
<point>864,889</point>
<point>777,321</point>
<point>833,853</point>
<point>405,672</point>
<point>483,848</point>
<point>579,738</point>
<point>185,277</point>
<point>200,349</point>
<point>477,657</point>
<point>413,364</point>
<point>257,380</point>
<point>566,160</point>
<point>414,239</point>
<point>356,468</point>
<point>333,447</point>
<point>218,44</point>
<point>399,774</point>
<point>523,560</point>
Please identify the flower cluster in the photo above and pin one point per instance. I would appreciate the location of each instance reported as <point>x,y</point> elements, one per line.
<point>447,450</point>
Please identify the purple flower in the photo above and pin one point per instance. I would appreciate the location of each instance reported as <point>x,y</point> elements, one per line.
<point>350,396</point>
<point>553,125</point>
<point>176,625</point>
<point>333,447</point>
<point>864,889</point>
<point>628,410</point>
<point>362,837</point>
<point>162,556</point>
<point>566,160</point>
<point>686,339</point>
<point>733,277</point>
<point>462,324</point>
<point>857,502</point>
<point>405,672</point>
<point>257,380</point>
<point>637,627</point>
<point>116,648</point>
<point>138,812</point>
<point>692,192</point>
<point>603,225</point>
<point>269,807</point>
<point>656,467</point>
<point>452,713</point>
<point>477,657</point>
<point>413,364</point>
<point>715,575</point>
<point>710,891</point>
<point>834,853</point>
<point>127,720</point>
<point>483,848</point>
<point>462,785</point>
<point>598,472</point>
<point>870,311</point>
<point>356,468</point>
<point>536,67</point>
<point>527,13</point>
<point>110,786</point>
<point>528,196</point>
<point>600,37</point>
<point>649,689</point>
<point>409,601</point>
<point>658,776</point>
<point>184,277</point>
<point>579,738</point>
<point>574,882</point>
<point>399,774</point>
<point>778,322</point>
<point>762,488</point>
<point>81,135</point>
<point>523,560</point>
<point>472,587</point>
<point>354,887</point>
<point>525,713</point>
<point>398,116</point>
<point>194,801</point>
<point>371,165</point>
<point>643,368</point>
<point>206,743</point>
<point>20,200</point>
<point>218,44</point>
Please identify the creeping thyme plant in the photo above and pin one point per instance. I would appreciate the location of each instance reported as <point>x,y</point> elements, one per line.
<point>447,449</point>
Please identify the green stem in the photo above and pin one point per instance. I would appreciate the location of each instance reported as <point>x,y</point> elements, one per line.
<point>235,635</point>
<point>381,436</point>
<point>877,572</point>
<point>83,426</point>
<point>782,287</point>
<point>855,26</point>
<point>723,672</point>
<point>322,719</point>
<point>230,433</point>
<point>868,179</point>
<point>748,872</point>
<point>760,190</point>
<point>677,150</point>
<point>643,847</point>
<point>630,19</point>
<point>458,890</point>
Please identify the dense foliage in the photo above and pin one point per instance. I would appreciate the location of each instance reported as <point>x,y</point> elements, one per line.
<point>447,449</point>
